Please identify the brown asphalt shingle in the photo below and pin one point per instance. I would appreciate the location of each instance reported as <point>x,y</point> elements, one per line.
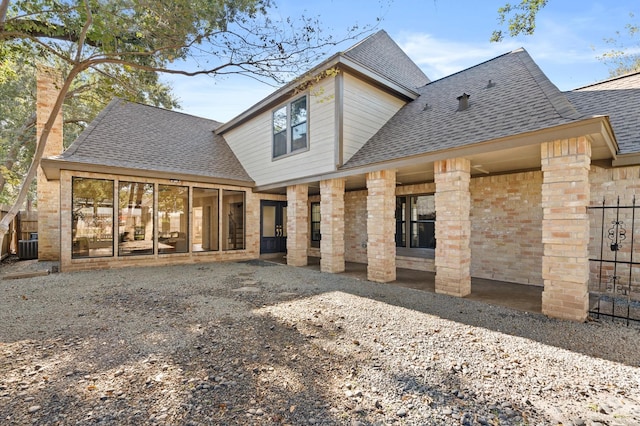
<point>619,98</point>
<point>520,99</point>
<point>137,136</point>
<point>381,54</point>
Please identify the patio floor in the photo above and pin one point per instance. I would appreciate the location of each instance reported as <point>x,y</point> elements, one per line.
<point>526,298</point>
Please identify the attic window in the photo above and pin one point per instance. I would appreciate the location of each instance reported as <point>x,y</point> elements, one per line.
<point>463,102</point>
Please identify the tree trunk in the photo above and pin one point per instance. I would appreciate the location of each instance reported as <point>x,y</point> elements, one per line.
<point>37,156</point>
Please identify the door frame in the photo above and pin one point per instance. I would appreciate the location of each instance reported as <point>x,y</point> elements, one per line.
<point>278,243</point>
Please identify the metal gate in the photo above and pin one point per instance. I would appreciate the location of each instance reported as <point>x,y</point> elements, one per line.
<point>614,281</point>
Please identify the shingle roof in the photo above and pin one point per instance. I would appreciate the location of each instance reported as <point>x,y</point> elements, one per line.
<point>137,136</point>
<point>519,99</point>
<point>619,98</point>
<point>381,54</point>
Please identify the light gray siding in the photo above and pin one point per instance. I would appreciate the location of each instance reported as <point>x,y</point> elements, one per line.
<point>252,141</point>
<point>366,110</point>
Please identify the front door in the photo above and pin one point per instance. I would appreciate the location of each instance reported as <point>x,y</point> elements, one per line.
<point>273,226</point>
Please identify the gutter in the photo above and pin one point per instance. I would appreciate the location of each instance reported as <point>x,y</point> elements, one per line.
<point>53,166</point>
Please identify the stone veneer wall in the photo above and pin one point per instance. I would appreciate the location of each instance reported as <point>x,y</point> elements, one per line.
<point>252,231</point>
<point>506,228</point>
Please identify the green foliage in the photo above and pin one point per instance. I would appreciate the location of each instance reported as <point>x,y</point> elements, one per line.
<point>521,18</point>
<point>118,36</point>
<point>220,36</point>
<point>621,59</point>
<point>89,94</point>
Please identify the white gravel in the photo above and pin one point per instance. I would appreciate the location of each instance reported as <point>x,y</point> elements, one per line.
<point>260,343</point>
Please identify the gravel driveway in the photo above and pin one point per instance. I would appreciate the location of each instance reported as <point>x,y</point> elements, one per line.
<point>261,343</point>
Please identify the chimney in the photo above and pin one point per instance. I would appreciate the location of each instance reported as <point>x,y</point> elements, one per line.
<point>463,102</point>
<point>48,192</point>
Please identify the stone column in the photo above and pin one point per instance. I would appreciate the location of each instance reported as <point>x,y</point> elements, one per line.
<point>565,228</point>
<point>332,225</point>
<point>381,226</point>
<point>48,192</point>
<point>297,225</point>
<point>453,227</point>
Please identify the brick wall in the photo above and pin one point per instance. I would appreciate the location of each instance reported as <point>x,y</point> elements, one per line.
<point>48,192</point>
<point>565,227</point>
<point>453,227</point>
<point>381,246</point>
<point>506,222</point>
<point>332,225</point>
<point>608,185</point>
<point>506,228</point>
<point>297,224</point>
<point>355,226</point>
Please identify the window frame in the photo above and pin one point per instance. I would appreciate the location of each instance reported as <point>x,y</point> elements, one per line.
<point>407,223</point>
<point>289,126</point>
<point>75,239</point>
<point>315,242</point>
<point>122,228</point>
<point>179,239</point>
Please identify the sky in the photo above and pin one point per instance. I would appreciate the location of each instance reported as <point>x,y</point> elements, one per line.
<point>442,37</point>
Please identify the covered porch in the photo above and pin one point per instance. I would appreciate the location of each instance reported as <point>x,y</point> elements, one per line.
<point>511,221</point>
<point>521,297</point>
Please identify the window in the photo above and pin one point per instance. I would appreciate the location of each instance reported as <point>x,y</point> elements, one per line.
<point>135,218</point>
<point>233,220</point>
<point>315,224</point>
<point>205,219</point>
<point>290,128</point>
<point>92,217</point>
<point>415,222</point>
<point>173,203</point>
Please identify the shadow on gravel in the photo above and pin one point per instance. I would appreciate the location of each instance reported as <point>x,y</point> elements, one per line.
<point>600,339</point>
<point>205,344</point>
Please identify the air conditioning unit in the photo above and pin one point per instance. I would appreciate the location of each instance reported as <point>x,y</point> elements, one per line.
<point>27,249</point>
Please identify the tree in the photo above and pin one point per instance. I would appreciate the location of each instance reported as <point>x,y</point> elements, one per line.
<point>521,18</point>
<point>621,60</point>
<point>88,95</point>
<point>221,36</point>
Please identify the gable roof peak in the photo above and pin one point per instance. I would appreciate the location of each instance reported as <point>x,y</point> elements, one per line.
<point>381,54</point>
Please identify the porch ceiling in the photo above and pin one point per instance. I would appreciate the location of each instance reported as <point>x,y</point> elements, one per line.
<point>497,162</point>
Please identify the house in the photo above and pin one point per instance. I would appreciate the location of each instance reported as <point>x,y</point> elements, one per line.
<point>488,172</point>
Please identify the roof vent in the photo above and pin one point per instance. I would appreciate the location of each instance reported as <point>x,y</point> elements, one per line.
<point>463,102</point>
<point>490,84</point>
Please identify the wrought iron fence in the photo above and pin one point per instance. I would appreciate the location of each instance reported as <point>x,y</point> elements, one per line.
<point>614,282</point>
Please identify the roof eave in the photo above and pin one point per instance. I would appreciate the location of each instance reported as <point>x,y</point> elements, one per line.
<point>52,167</point>
<point>597,128</point>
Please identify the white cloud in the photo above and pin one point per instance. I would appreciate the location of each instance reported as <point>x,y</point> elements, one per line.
<point>565,57</point>
<point>439,58</point>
